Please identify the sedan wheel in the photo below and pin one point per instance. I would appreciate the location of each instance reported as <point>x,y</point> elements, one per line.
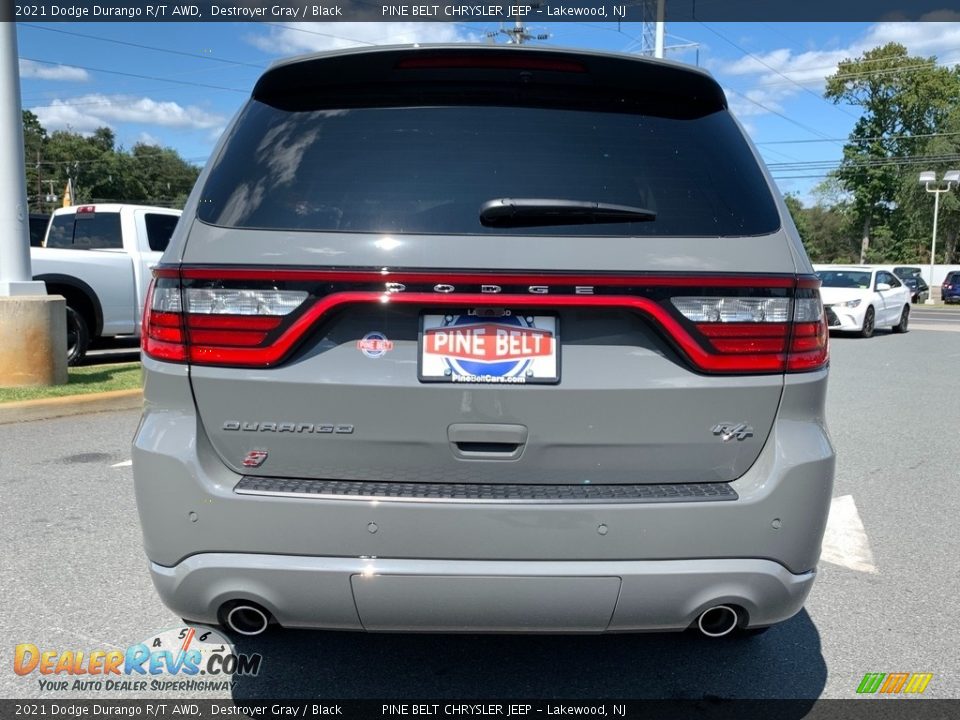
<point>868,323</point>
<point>901,327</point>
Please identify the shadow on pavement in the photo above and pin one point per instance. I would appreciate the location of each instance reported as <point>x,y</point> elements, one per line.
<point>785,662</point>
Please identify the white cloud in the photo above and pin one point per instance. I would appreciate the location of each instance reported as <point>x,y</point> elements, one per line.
<point>85,113</point>
<point>43,71</point>
<point>779,74</point>
<point>147,139</point>
<point>295,38</point>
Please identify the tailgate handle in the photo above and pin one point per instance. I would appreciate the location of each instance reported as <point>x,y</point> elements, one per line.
<point>487,441</point>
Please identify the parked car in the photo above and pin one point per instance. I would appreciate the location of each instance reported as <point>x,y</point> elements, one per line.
<point>950,290</point>
<point>38,228</point>
<point>919,290</point>
<point>400,379</point>
<point>99,257</point>
<point>912,277</point>
<point>861,299</point>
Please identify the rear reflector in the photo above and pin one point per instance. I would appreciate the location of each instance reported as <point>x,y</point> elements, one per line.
<point>250,317</point>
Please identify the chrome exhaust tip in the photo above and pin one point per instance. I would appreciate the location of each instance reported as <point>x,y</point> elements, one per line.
<point>718,621</point>
<point>247,619</point>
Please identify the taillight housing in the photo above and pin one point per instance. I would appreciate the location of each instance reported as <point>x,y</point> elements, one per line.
<point>760,333</point>
<point>255,317</point>
<point>218,322</point>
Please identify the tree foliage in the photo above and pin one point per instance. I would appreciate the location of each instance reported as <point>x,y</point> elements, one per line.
<point>909,122</point>
<point>99,170</point>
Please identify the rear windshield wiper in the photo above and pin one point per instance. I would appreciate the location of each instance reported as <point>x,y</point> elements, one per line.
<point>535,212</point>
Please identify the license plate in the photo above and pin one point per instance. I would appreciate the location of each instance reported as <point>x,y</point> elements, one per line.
<point>509,349</point>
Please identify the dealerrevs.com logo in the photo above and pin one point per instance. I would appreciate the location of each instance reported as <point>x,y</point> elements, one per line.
<point>180,659</point>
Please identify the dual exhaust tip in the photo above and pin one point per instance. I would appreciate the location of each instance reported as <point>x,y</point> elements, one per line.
<point>718,621</point>
<point>246,618</point>
<point>249,619</point>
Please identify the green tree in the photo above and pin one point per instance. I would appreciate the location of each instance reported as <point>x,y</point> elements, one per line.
<point>34,144</point>
<point>916,203</point>
<point>825,231</point>
<point>101,172</point>
<point>902,97</point>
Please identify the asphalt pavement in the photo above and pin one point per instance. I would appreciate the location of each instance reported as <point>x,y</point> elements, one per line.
<point>74,575</point>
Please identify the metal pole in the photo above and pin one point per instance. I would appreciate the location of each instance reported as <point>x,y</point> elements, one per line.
<point>933,245</point>
<point>659,29</point>
<point>15,276</point>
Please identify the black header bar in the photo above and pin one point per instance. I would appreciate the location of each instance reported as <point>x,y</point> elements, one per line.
<point>477,11</point>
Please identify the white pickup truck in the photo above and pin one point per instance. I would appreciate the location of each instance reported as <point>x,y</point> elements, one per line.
<point>99,258</point>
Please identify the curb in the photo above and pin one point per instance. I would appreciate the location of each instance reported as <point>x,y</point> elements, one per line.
<point>49,408</point>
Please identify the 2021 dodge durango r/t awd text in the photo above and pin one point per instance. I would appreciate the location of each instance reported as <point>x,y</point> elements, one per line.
<point>484,339</point>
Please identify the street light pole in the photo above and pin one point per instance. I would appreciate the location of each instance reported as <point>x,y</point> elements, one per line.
<point>928,179</point>
<point>33,325</point>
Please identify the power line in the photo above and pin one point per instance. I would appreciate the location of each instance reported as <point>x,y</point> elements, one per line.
<point>781,115</point>
<point>874,162</point>
<point>144,47</point>
<point>767,65</point>
<point>866,139</point>
<point>142,77</point>
<point>851,76</point>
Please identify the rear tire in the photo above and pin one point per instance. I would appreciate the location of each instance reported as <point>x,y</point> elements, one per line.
<point>869,323</point>
<point>78,337</point>
<point>901,327</point>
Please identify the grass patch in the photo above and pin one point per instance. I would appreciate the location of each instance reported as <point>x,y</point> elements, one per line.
<point>83,380</point>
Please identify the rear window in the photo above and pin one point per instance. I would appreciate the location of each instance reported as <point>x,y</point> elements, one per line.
<point>429,170</point>
<point>61,231</point>
<point>86,231</point>
<point>159,229</point>
<point>38,228</point>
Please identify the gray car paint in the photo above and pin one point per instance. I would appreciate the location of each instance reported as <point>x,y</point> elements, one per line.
<point>207,544</point>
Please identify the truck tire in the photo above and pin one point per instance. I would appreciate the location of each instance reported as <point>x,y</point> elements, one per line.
<point>78,337</point>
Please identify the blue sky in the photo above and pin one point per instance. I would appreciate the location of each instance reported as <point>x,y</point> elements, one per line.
<point>177,84</point>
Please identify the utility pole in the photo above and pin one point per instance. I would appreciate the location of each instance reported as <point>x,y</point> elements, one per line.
<point>33,325</point>
<point>659,29</point>
<point>518,34</point>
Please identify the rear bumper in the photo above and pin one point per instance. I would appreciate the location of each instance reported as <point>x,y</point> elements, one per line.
<point>636,565</point>
<point>471,596</point>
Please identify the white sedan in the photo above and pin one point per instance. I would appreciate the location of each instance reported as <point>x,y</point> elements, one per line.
<point>861,299</point>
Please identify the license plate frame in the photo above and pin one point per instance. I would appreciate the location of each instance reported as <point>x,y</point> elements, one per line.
<point>522,329</point>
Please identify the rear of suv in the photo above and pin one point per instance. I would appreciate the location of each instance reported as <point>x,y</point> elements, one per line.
<point>950,289</point>
<point>484,339</point>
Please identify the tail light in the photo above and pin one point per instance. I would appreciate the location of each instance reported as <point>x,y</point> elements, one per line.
<point>256,317</point>
<point>761,334</point>
<point>213,324</point>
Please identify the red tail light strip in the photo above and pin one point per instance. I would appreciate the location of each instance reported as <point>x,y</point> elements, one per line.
<point>236,340</point>
<point>278,350</point>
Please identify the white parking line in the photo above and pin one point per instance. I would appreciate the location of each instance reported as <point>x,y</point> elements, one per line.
<point>125,463</point>
<point>845,542</point>
<point>952,327</point>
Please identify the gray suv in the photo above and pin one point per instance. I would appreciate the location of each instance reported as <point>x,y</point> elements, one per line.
<point>496,339</point>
